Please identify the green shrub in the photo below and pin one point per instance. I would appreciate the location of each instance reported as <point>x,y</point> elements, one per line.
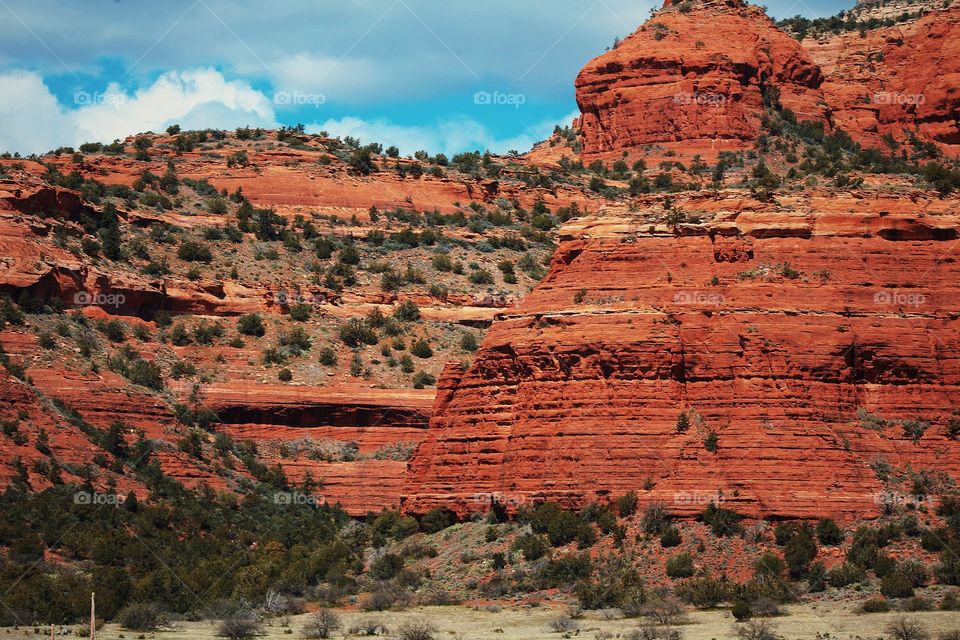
<point>950,602</point>
<point>627,504</point>
<point>829,533</point>
<point>421,349</point>
<point>670,537</point>
<point>845,574</point>
<point>407,311</point>
<point>386,567</point>
<point>817,578</point>
<point>565,570</point>
<point>531,546</point>
<point>917,603</point>
<point>885,565</point>
<point>864,550</point>
<point>931,541</point>
<point>705,592</point>
<point>357,332</point>
<point>800,551</point>
<point>145,374</point>
<point>284,375</point>
<point>680,566</point>
<point>423,379</point>
<point>948,571</point>
<point>481,277</point>
<point>560,526</point>
<point>142,616</point>
<point>114,331</point>
<point>723,522</point>
<point>300,312</point>
<point>617,584</point>
<point>192,251</point>
<point>328,357</point>
<point>655,518</point>
<point>251,325</point>
<point>875,605</point>
<point>896,585</point>
<point>711,442</point>
<point>468,342</point>
<point>436,520</point>
<point>741,611</point>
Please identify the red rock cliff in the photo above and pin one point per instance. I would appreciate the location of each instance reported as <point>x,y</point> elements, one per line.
<point>771,329</point>
<point>900,82</point>
<point>697,78</point>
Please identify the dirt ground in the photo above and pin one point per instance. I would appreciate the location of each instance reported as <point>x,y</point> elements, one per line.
<point>831,620</point>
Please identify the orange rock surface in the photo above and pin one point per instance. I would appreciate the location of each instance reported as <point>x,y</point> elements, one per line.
<point>896,82</point>
<point>771,328</point>
<point>689,89</point>
<point>696,78</point>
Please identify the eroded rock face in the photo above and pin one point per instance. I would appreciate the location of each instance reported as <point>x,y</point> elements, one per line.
<point>769,329</point>
<point>899,82</point>
<point>698,78</point>
<point>696,82</point>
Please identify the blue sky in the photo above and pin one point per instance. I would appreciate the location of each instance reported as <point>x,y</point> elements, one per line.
<point>444,76</point>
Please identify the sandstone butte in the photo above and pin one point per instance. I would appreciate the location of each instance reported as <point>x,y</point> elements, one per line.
<point>787,329</point>
<point>291,183</point>
<point>770,327</point>
<point>694,81</point>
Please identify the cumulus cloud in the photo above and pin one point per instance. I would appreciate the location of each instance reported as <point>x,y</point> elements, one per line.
<point>448,136</point>
<point>30,118</point>
<point>32,121</point>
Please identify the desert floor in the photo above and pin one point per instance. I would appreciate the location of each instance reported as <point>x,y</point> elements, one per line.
<point>833,620</point>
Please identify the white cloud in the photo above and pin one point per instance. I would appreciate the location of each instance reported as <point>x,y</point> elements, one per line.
<point>31,120</point>
<point>333,78</point>
<point>448,136</point>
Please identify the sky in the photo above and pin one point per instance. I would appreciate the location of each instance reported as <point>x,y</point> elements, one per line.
<point>445,76</point>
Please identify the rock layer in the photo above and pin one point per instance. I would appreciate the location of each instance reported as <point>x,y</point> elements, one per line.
<point>769,329</point>
<point>695,77</point>
<point>897,82</point>
<point>698,81</point>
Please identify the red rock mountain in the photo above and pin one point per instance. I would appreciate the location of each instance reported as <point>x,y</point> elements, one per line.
<point>896,82</point>
<point>693,80</point>
<point>811,346</point>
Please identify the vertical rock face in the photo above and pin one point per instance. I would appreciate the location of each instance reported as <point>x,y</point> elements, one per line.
<point>695,76</point>
<point>694,80</point>
<point>805,348</point>
<point>896,82</point>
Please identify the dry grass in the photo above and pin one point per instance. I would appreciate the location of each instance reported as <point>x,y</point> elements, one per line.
<point>838,619</point>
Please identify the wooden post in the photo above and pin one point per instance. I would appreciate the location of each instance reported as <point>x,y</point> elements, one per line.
<point>93,615</point>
